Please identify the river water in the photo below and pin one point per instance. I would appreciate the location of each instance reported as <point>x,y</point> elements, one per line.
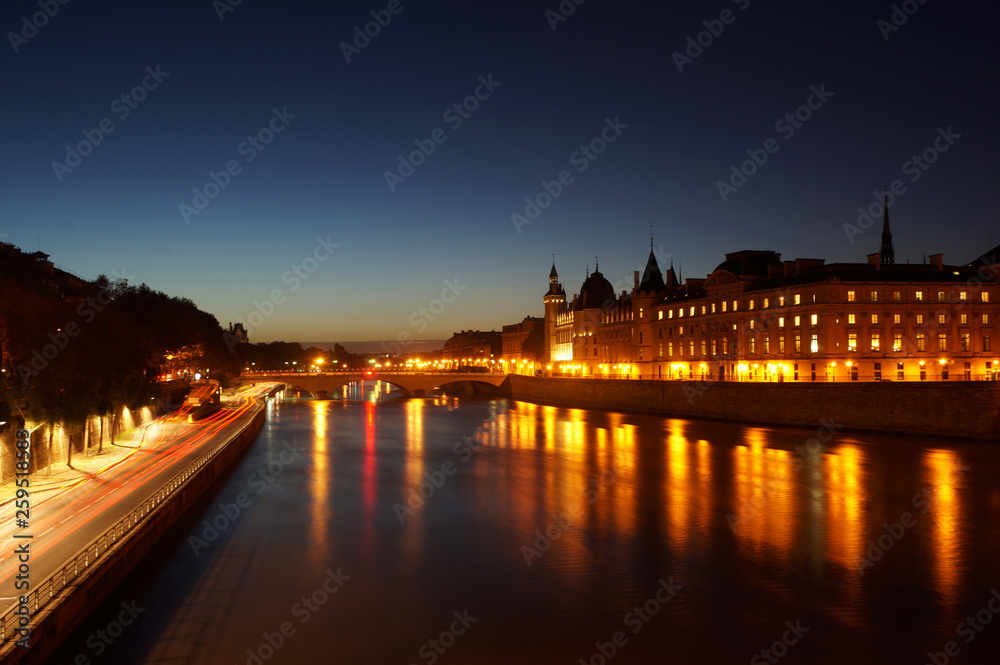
<point>374,529</point>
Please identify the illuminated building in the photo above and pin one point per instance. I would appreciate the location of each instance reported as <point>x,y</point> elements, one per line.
<point>758,318</point>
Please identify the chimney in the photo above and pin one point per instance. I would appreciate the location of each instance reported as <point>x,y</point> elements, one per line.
<point>636,273</point>
<point>874,259</point>
<point>937,260</point>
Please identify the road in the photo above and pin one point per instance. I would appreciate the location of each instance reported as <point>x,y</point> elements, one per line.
<point>63,522</point>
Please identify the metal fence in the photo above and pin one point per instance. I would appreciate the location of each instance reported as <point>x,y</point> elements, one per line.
<point>45,592</point>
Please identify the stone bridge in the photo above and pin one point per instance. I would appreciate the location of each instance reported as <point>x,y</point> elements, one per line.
<point>413,384</point>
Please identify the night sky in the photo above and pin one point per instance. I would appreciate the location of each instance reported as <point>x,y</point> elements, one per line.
<point>885,96</point>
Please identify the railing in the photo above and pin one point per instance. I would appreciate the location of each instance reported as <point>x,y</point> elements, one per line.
<point>46,591</point>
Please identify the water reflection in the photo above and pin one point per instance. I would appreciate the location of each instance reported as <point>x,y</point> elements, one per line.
<point>941,502</point>
<point>320,480</point>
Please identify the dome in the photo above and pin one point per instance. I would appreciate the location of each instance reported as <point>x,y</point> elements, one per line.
<point>595,292</point>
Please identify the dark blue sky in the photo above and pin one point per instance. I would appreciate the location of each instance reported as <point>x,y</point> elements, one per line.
<point>323,175</point>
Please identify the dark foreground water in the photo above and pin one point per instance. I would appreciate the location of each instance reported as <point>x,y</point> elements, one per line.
<point>547,535</point>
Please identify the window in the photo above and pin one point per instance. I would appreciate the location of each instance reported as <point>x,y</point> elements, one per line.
<point>797,320</point>
<point>781,321</point>
<point>940,296</point>
<point>942,318</point>
<point>943,342</point>
<point>798,299</point>
<point>640,313</point>
<point>660,314</point>
<point>702,310</point>
<point>876,341</point>
<point>813,319</point>
<point>670,314</point>
<point>986,343</point>
<point>692,347</point>
<point>897,342</point>
<point>814,344</point>
<point>920,319</point>
<point>640,338</point>
<point>852,341</point>
<point>964,319</point>
<point>850,320</point>
<point>781,301</point>
<point>751,303</point>
<point>713,308</point>
<point>724,305</point>
<point>962,295</point>
<point>851,297</point>
<point>986,319</point>
<point>874,319</point>
<point>895,319</point>
<point>878,371</point>
<point>798,344</point>
<point>713,347</point>
<point>670,348</point>
<point>897,296</point>
<point>752,345</point>
<point>661,350</point>
<point>965,341</point>
<point>766,303</point>
<point>704,344</point>
<point>874,296</point>
<point>767,344</point>
<point>725,346</point>
<point>899,371</point>
<point>920,341</point>
<point>734,306</point>
<point>919,297</point>
<point>680,313</point>
<point>751,324</point>
<point>781,344</point>
<point>985,295</point>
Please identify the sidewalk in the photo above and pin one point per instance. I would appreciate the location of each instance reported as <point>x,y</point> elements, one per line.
<point>85,465</point>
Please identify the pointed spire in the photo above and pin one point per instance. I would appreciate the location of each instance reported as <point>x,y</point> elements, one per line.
<point>887,254</point>
<point>650,237</point>
<point>597,265</point>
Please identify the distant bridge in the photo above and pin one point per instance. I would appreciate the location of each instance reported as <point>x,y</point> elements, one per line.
<point>413,384</point>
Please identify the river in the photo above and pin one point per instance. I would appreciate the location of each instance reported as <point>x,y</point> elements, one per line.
<point>374,529</point>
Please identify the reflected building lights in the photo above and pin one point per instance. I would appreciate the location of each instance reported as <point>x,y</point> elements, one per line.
<point>943,472</point>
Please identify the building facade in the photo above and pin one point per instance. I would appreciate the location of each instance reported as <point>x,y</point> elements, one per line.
<point>759,318</point>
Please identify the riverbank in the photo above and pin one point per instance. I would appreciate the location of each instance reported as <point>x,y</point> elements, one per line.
<point>64,598</point>
<point>967,409</point>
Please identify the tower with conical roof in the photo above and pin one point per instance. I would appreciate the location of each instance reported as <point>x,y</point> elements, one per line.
<point>887,255</point>
<point>649,290</point>
<point>555,302</point>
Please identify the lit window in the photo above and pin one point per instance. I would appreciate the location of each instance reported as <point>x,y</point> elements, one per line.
<point>942,318</point>
<point>897,296</point>
<point>640,313</point>
<point>876,339</point>
<point>895,319</point>
<point>703,310</point>
<point>725,304</point>
<point>965,341</point>
<point>985,296</point>
<point>920,341</point>
<point>735,306</point>
<point>874,319</point>
<point>798,299</point>
<point>680,313</point>
<point>920,319</point>
<point>851,297</point>
<point>852,341</point>
<point>781,301</point>
<point>814,319</point>
<point>943,342</point>
<point>897,342</point>
<point>781,344</point>
<point>850,319</point>
<point>670,348</point>
<point>725,346</point>
<point>964,319</point>
<point>691,313</point>
<point>940,296</point>
<point>767,345</point>
<point>814,344</point>
<point>660,315</point>
<point>798,344</point>
<point>781,322</point>
<point>713,308</point>
<point>670,314</point>
<point>713,347</point>
<point>703,345</point>
<point>751,324</point>
<point>919,297</point>
<point>692,347</point>
<point>752,345</point>
<point>986,319</point>
<point>874,296</point>
<point>751,303</point>
<point>797,320</point>
<point>962,295</point>
<point>766,303</point>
